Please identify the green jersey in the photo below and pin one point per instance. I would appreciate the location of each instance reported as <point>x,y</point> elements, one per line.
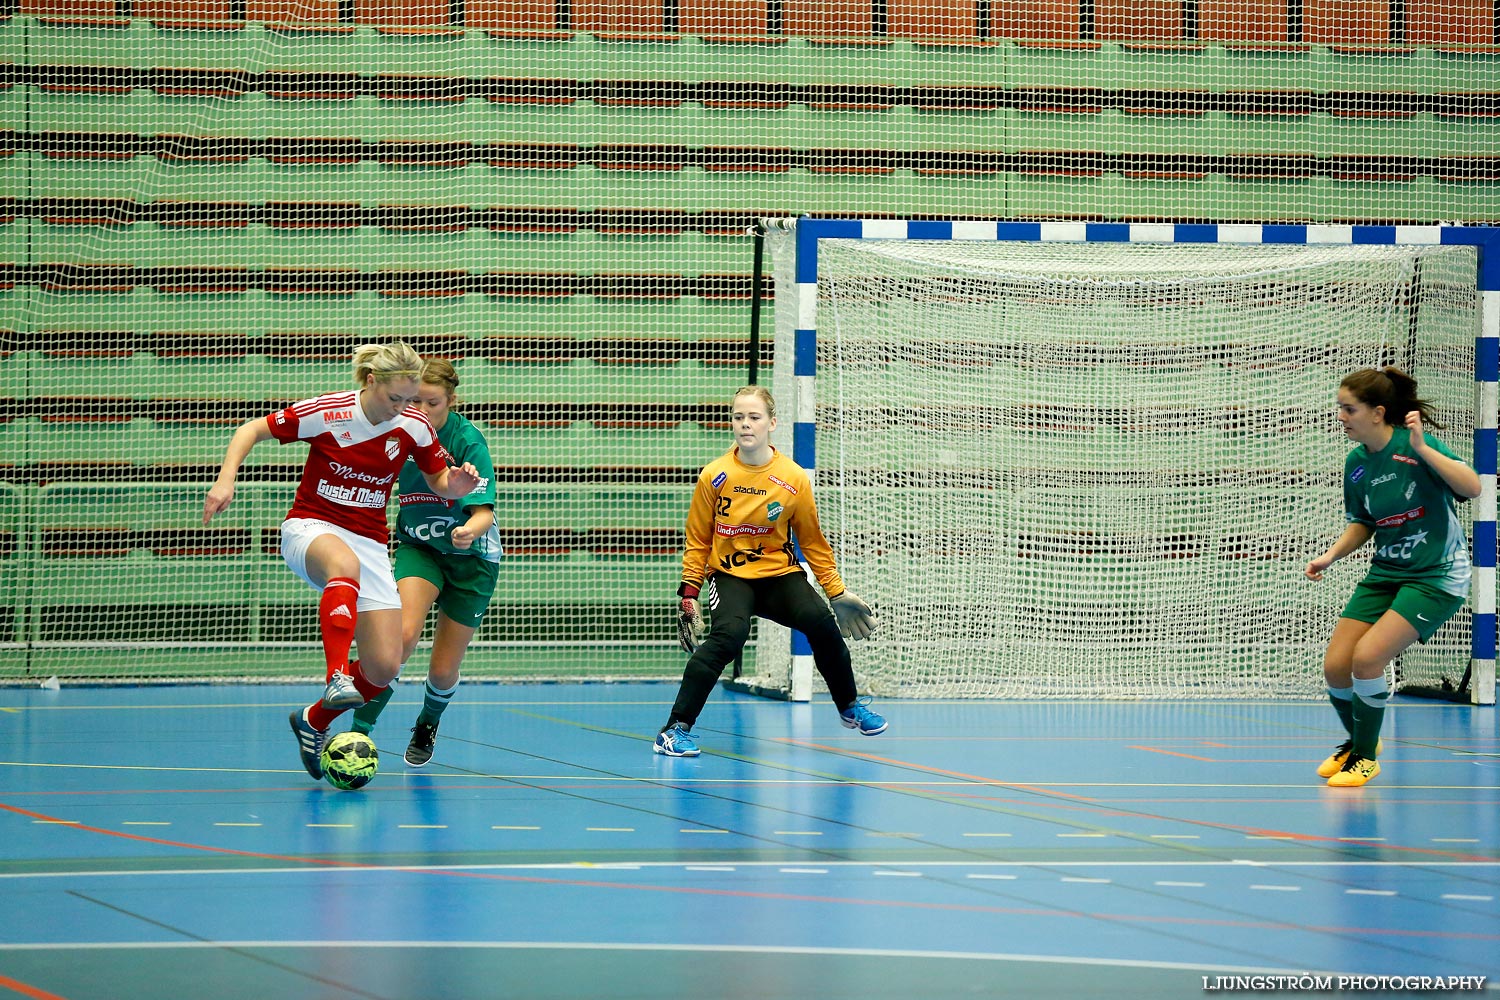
<point>1411,510</point>
<point>426,518</point>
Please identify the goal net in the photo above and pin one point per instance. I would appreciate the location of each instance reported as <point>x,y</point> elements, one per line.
<point>1082,469</point>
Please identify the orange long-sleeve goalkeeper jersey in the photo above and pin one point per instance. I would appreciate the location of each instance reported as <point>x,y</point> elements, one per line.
<point>742,520</point>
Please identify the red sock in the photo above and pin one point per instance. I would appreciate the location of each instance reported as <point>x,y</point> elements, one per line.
<point>363,684</point>
<point>337,613</point>
<point>320,716</point>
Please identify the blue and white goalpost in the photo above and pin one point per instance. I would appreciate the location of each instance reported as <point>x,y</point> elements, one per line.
<point>1091,459</point>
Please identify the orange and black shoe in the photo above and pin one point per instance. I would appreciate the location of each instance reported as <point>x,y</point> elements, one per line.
<point>1356,770</point>
<point>1335,760</point>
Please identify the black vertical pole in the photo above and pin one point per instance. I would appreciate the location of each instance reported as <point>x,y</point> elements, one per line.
<point>757,285</point>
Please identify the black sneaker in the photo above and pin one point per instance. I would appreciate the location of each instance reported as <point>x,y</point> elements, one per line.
<point>423,736</point>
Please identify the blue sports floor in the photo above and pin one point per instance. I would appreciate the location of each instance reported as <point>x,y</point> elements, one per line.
<point>164,842</point>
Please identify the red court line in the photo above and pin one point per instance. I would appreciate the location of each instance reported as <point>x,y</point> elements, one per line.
<point>28,991</point>
<point>1038,789</point>
<point>1122,918</point>
<point>1173,753</point>
<point>64,824</point>
<point>1052,794</point>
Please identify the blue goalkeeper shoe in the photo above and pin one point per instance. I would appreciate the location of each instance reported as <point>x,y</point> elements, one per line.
<point>859,716</point>
<point>676,741</point>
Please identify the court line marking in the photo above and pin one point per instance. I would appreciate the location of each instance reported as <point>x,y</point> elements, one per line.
<point>1120,918</point>
<point>1050,794</point>
<point>974,782</point>
<point>27,990</point>
<point>1041,863</point>
<point>1133,963</point>
<point>1175,753</point>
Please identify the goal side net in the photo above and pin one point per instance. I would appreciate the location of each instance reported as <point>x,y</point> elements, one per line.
<point>1073,468</point>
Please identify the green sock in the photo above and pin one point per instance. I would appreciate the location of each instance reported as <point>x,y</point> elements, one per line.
<point>434,701</point>
<point>1370,697</point>
<point>366,714</point>
<point>1342,700</point>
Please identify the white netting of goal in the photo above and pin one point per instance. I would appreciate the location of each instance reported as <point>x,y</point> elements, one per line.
<point>1098,470</point>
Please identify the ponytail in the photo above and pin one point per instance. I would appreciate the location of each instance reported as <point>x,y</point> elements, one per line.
<point>1393,389</point>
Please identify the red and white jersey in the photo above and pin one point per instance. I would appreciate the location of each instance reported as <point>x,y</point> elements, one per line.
<point>352,467</point>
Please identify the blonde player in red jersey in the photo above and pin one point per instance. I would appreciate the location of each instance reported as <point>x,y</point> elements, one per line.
<point>740,557</point>
<point>334,537</point>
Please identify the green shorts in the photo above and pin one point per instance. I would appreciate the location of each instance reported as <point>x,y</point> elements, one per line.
<point>1424,606</point>
<point>465,584</point>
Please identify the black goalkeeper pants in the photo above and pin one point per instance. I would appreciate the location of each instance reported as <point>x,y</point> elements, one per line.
<point>787,600</point>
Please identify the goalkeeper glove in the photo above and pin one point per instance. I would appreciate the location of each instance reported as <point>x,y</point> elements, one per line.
<point>854,617</point>
<point>689,618</point>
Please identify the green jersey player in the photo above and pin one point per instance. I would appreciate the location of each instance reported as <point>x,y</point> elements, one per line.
<point>448,553</point>
<point>1400,488</point>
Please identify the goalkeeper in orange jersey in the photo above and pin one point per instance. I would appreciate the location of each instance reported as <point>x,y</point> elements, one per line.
<point>741,560</point>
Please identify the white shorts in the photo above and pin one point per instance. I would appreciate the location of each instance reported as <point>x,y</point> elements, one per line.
<point>377,585</point>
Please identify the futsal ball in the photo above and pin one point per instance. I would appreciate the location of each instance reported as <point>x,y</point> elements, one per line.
<point>350,760</point>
